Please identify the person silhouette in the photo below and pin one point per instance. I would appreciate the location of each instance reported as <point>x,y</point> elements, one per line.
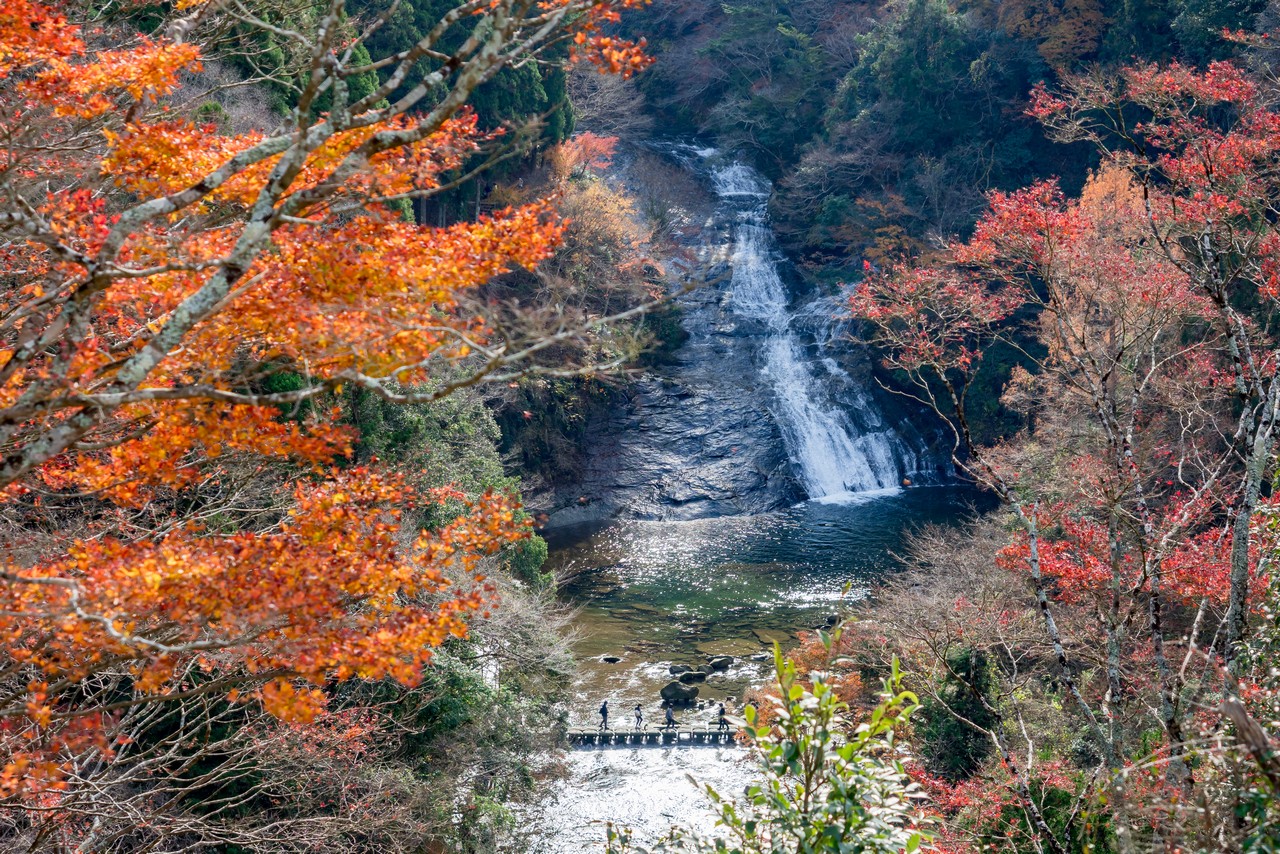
<point>671,719</point>
<point>723,722</point>
<point>604,715</point>
<point>639,717</point>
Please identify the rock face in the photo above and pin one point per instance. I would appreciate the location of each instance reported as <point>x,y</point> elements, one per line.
<point>694,438</point>
<point>692,441</point>
<point>678,692</point>
<point>770,637</point>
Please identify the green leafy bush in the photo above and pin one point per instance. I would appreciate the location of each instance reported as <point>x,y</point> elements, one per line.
<point>827,784</point>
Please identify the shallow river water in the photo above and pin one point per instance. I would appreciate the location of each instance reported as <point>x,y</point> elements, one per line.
<point>656,593</point>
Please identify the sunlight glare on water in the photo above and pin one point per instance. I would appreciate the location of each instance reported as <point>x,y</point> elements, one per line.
<point>653,594</point>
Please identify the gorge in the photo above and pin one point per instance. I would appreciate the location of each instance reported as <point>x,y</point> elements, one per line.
<point>386,386</point>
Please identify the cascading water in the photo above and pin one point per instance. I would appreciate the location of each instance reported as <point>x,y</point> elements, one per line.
<point>833,456</point>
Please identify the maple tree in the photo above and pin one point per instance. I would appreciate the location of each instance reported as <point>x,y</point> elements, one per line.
<point>1200,145</point>
<point>1150,393</point>
<point>179,307</point>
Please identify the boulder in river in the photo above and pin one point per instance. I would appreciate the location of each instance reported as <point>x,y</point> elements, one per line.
<point>610,659</point>
<point>677,669</point>
<point>693,676</point>
<point>720,662</point>
<point>678,692</point>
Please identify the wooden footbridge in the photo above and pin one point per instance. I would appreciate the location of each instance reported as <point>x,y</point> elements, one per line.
<point>669,737</point>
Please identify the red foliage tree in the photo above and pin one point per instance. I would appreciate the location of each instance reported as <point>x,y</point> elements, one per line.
<point>1152,392</point>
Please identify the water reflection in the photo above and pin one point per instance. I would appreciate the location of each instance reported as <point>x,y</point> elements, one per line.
<point>680,585</point>
<point>653,594</point>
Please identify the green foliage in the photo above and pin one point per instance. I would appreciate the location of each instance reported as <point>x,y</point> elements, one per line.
<point>452,441</point>
<point>279,382</point>
<point>1198,25</point>
<point>1074,823</point>
<point>514,95</point>
<point>952,748</point>
<point>211,112</point>
<point>826,785</point>
<point>1140,28</point>
<point>358,86</point>
<point>663,323</point>
<point>914,66</point>
<point>525,560</point>
<point>532,97</point>
<point>928,118</point>
<point>774,82</point>
<point>988,417</point>
<point>545,422</point>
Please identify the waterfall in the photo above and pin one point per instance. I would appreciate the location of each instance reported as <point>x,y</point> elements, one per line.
<point>833,455</point>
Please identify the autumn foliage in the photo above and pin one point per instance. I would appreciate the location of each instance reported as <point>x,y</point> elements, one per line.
<point>180,307</point>
<point>1146,380</point>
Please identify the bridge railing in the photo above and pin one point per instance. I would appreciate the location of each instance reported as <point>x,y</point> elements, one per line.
<point>662,737</point>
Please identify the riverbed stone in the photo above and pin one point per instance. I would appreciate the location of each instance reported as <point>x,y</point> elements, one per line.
<point>772,636</point>
<point>720,662</point>
<point>692,677</point>
<point>736,647</point>
<point>677,669</point>
<point>678,692</point>
<point>611,659</point>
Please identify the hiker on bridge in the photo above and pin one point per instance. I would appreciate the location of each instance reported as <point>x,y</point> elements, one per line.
<point>639,717</point>
<point>723,723</point>
<point>671,720</point>
<point>604,715</point>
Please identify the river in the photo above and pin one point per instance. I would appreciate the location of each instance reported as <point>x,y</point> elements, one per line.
<point>663,593</point>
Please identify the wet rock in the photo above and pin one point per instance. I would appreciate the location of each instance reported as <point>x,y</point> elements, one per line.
<point>610,659</point>
<point>692,439</point>
<point>718,271</point>
<point>693,676</point>
<point>770,636</point>
<point>736,647</point>
<point>696,436</point>
<point>721,662</point>
<point>677,669</point>
<point>678,692</point>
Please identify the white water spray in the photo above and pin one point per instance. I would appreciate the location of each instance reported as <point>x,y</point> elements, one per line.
<point>833,456</point>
